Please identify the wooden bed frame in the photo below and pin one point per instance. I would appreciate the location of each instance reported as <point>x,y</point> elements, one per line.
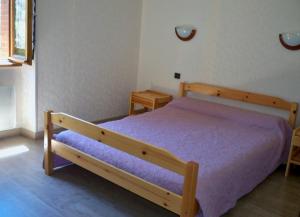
<point>184,205</point>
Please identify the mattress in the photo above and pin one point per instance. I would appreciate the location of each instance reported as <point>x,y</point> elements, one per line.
<point>235,148</point>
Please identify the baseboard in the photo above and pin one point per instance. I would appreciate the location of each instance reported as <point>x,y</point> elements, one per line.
<point>28,133</point>
<point>10,133</point>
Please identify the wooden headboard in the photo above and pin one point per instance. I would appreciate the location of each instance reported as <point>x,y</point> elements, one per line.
<point>243,96</point>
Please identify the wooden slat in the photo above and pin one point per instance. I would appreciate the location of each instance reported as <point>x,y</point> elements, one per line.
<point>48,132</point>
<point>295,162</point>
<point>243,96</point>
<point>239,95</point>
<point>189,206</point>
<point>134,147</point>
<point>147,190</point>
<point>296,156</point>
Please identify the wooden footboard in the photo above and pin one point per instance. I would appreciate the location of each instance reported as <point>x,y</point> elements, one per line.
<point>184,205</point>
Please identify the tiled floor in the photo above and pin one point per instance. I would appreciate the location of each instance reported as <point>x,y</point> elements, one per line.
<point>73,192</point>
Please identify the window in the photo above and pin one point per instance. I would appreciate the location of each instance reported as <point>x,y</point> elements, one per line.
<point>4,28</point>
<point>16,30</point>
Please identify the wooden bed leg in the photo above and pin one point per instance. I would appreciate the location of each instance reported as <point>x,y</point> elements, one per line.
<point>288,165</point>
<point>48,133</point>
<point>131,106</point>
<point>189,205</point>
<point>182,91</point>
<point>293,115</point>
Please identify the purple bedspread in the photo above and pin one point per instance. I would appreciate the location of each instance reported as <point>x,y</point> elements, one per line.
<point>236,149</point>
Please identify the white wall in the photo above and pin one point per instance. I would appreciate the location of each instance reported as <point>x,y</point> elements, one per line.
<point>88,53</point>
<point>28,97</point>
<point>9,77</point>
<point>7,108</point>
<point>87,56</point>
<point>237,45</point>
<point>23,81</point>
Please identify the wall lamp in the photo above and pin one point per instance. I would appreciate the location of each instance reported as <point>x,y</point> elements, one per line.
<point>185,32</point>
<point>290,41</point>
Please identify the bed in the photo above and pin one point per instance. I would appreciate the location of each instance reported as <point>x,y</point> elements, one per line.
<point>235,148</point>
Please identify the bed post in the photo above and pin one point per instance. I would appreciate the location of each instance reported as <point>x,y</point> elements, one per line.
<point>189,207</point>
<point>293,115</point>
<point>182,91</point>
<point>48,132</point>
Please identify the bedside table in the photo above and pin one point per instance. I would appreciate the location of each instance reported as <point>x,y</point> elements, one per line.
<point>149,99</point>
<point>294,157</point>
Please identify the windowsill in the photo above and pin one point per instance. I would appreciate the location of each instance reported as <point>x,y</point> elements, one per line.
<point>9,63</point>
<point>20,60</point>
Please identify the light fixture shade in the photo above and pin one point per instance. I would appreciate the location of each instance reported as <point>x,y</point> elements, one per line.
<point>185,32</point>
<point>290,40</point>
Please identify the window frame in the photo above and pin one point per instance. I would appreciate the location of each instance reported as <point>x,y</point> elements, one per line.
<point>28,34</point>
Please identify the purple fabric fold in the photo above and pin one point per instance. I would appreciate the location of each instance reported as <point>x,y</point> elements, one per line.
<point>236,149</point>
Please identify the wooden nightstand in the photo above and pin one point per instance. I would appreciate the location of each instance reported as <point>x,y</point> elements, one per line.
<point>294,157</point>
<point>149,99</point>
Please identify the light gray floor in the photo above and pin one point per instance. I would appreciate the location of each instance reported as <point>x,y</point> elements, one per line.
<point>72,192</point>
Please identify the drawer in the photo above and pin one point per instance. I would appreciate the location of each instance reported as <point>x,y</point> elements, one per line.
<point>143,101</point>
